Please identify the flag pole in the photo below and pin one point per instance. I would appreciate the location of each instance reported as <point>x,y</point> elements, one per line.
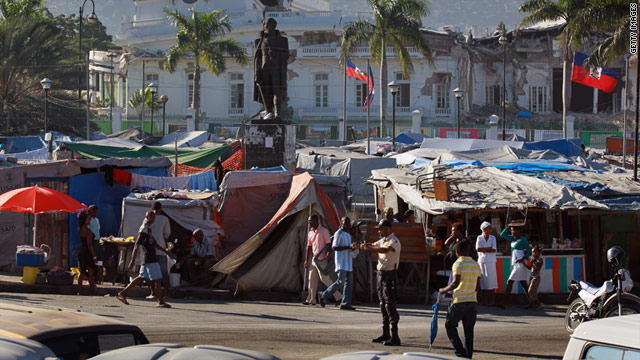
<point>368,111</point>
<point>344,105</point>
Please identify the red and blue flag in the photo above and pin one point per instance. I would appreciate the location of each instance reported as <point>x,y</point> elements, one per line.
<point>372,92</point>
<point>353,71</point>
<point>604,79</point>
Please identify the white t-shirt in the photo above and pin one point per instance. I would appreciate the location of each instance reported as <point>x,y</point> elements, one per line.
<point>161,231</point>
<point>483,257</point>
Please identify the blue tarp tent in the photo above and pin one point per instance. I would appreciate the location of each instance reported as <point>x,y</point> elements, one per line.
<point>19,144</point>
<point>410,138</point>
<point>566,147</point>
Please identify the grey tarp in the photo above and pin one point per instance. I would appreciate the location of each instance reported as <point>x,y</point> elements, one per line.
<point>272,259</point>
<point>467,144</point>
<point>486,188</point>
<point>190,214</point>
<point>335,161</point>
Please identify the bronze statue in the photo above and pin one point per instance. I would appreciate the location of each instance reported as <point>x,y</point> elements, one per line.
<point>270,67</point>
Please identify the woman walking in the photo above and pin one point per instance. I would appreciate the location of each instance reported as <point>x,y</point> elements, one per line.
<point>87,258</point>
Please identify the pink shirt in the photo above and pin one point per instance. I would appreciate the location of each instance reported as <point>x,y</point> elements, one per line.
<point>318,239</point>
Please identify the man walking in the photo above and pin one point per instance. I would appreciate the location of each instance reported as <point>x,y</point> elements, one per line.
<point>150,269</point>
<point>388,249</point>
<point>464,307</point>
<point>161,230</point>
<point>317,248</point>
<point>344,267</point>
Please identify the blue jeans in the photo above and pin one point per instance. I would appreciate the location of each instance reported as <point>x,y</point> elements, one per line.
<point>465,312</point>
<point>345,280</point>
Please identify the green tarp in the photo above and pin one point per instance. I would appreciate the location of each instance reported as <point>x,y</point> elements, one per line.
<point>200,158</point>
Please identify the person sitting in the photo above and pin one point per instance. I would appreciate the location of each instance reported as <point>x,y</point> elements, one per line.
<point>198,262</point>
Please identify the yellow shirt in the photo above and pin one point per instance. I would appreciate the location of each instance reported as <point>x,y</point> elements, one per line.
<point>469,272</point>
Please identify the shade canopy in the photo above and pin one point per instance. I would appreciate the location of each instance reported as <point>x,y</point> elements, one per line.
<point>36,199</point>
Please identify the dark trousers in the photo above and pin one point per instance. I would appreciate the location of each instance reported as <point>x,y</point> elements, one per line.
<point>467,313</point>
<point>387,293</point>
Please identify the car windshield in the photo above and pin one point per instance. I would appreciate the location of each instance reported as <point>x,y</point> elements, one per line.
<point>86,345</point>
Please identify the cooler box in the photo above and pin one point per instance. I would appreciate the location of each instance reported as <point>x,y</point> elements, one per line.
<point>30,259</point>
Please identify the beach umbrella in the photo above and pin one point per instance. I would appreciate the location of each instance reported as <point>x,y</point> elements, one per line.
<point>37,199</point>
<point>434,322</point>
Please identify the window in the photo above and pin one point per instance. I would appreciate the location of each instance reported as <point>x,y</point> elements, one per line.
<point>599,352</point>
<point>493,95</point>
<point>404,93</point>
<point>149,78</point>
<point>321,83</point>
<point>538,99</point>
<point>237,91</point>
<point>190,89</point>
<point>361,94</point>
<point>442,95</point>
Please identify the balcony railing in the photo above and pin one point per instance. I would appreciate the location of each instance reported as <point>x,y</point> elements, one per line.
<point>442,111</point>
<point>236,111</point>
<point>325,52</point>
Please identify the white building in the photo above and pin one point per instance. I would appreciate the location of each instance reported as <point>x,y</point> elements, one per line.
<point>315,81</point>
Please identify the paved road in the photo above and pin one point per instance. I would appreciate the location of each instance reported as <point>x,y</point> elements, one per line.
<point>293,331</point>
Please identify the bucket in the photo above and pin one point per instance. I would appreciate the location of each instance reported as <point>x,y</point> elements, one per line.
<point>174,280</point>
<point>29,274</point>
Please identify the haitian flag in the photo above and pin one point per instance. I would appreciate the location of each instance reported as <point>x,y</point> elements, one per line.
<point>353,71</point>
<point>604,79</point>
<point>372,91</point>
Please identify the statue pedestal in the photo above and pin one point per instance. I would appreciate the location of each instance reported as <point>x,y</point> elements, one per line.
<point>270,145</point>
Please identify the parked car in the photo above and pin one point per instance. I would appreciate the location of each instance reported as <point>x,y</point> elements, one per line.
<point>382,355</point>
<point>171,352</point>
<point>613,338</point>
<point>68,333</point>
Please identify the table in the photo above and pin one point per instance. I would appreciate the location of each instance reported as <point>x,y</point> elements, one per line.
<point>125,250</point>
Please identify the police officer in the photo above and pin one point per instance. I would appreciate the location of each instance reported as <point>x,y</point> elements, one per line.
<point>388,248</point>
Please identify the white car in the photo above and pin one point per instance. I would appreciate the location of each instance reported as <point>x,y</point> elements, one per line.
<point>614,338</point>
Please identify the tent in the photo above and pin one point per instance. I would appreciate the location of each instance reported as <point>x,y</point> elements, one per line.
<point>187,139</point>
<point>272,259</point>
<point>201,158</point>
<point>410,138</point>
<point>19,144</point>
<point>337,162</point>
<point>467,144</point>
<point>190,214</point>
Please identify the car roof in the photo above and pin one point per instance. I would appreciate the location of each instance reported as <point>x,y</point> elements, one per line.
<point>618,330</point>
<point>382,355</point>
<point>182,352</point>
<point>40,322</point>
<point>17,349</point>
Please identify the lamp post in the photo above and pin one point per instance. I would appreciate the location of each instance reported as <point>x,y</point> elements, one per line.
<point>92,19</point>
<point>111,55</point>
<point>393,88</point>
<point>503,41</point>
<point>458,93</point>
<point>153,88</point>
<point>164,99</point>
<point>46,85</point>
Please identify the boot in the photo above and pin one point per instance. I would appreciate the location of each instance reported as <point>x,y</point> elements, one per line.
<point>384,337</point>
<point>395,340</point>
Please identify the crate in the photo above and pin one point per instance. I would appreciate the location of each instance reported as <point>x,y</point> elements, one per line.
<point>30,260</point>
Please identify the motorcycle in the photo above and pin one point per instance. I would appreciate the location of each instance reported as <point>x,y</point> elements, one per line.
<point>613,298</point>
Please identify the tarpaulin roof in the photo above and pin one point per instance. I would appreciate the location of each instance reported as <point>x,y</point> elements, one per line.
<point>272,258</point>
<point>18,144</point>
<point>201,158</point>
<point>187,139</point>
<point>566,147</point>
<point>467,144</point>
<point>410,138</point>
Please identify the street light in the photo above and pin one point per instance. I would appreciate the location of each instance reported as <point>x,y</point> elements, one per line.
<point>503,41</point>
<point>393,88</point>
<point>111,55</point>
<point>153,87</point>
<point>92,19</point>
<point>46,85</point>
<point>458,93</point>
<point>164,99</point>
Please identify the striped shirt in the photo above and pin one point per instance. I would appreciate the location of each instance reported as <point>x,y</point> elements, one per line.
<point>469,272</point>
<point>342,258</point>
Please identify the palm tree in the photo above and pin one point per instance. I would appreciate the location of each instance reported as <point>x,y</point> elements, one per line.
<point>201,37</point>
<point>136,100</point>
<point>549,10</point>
<point>397,23</point>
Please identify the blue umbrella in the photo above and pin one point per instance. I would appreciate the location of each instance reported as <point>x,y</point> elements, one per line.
<point>434,322</point>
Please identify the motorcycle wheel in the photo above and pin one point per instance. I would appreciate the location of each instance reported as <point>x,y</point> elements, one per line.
<point>628,308</point>
<point>576,313</point>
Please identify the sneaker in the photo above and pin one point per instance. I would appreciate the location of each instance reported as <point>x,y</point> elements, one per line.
<point>347,307</point>
<point>306,303</point>
<point>321,300</point>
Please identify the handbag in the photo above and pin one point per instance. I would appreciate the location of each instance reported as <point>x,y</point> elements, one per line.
<point>324,265</point>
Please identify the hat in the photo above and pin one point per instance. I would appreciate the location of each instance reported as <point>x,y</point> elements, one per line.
<point>383,222</point>
<point>517,223</point>
<point>485,225</point>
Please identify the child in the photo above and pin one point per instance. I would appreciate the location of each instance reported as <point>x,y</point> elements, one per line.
<point>464,307</point>
<point>534,278</point>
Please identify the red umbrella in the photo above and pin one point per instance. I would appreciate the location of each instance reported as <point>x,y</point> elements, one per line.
<point>36,199</point>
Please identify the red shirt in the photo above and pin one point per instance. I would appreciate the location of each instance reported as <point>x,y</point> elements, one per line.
<point>318,239</point>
